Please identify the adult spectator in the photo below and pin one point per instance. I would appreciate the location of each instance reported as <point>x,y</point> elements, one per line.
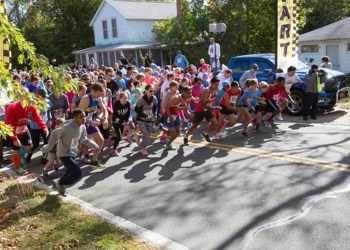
<point>54,62</point>
<point>145,59</point>
<point>123,60</point>
<point>249,74</point>
<point>225,76</point>
<point>181,60</point>
<point>214,54</point>
<point>111,83</point>
<point>313,87</point>
<point>131,60</point>
<point>326,63</point>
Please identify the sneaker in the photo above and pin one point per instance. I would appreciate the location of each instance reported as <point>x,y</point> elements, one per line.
<point>160,128</point>
<point>170,146</point>
<point>217,136</point>
<point>206,137</point>
<point>86,158</point>
<point>185,140</point>
<point>268,123</point>
<point>138,139</point>
<point>97,164</point>
<point>115,152</point>
<point>45,173</point>
<point>254,123</point>
<point>163,138</point>
<point>21,171</point>
<point>244,135</point>
<point>56,167</point>
<point>58,187</point>
<point>279,117</point>
<point>144,151</point>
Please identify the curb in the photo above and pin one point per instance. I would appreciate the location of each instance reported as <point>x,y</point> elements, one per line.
<point>140,233</point>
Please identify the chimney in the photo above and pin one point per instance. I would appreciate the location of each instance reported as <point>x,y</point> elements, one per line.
<point>180,13</point>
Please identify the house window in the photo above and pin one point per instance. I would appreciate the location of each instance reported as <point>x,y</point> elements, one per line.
<point>114,28</point>
<point>309,48</point>
<point>105,29</point>
<point>349,47</point>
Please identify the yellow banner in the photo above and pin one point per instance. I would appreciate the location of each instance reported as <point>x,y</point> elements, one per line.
<point>287,33</point>
<point>5,52</point>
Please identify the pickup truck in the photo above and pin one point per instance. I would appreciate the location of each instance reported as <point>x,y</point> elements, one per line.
<point>334,82</point>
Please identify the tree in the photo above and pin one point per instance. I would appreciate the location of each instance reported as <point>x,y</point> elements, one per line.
<point>36,61</point>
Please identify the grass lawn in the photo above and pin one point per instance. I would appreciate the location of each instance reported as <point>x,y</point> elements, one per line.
<point>30,218</point>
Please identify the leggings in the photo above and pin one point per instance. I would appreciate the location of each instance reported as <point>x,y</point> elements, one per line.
<point>119,129</point>
<point>36,133</point>
<point>146,129</point>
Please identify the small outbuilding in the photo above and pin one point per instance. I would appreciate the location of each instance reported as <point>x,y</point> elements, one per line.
<point>332,40</point>
<point>125,27</point>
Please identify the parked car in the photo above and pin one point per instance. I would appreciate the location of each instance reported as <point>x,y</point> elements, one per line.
<point>334,82</point>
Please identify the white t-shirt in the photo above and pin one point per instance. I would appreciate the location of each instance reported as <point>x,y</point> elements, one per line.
<point>290,80</point>
<point>164,88</point>
<point>222,79</point>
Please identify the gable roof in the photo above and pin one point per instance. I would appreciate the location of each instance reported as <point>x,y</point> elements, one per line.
<point>140,10</point>
<point>334,31</point>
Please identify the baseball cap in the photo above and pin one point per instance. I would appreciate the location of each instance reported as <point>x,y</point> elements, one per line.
<point>137,91</point>
<point>194,68</point>
<point>165,72</point>
<point>142,69</point>
<point>153,66</point>
<point>205,76</point>
<point>156,74</point>
<point>42,92</point>
<point>188,75</point>
<point>204,66</point>
<point>225,83</point>
<point>123,71</point>
<point>255,66</point>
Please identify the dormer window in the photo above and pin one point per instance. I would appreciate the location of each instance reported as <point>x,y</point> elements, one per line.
<point>105,29</point>
<point>114,28</point>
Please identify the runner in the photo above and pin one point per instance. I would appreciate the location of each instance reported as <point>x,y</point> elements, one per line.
<point>68,138</point>
<point>205,109</point>
<point>18,117</point>
<point>174,107</point>
<point>90,104</point>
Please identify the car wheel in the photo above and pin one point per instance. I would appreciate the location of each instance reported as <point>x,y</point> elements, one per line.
<point>299,97</point>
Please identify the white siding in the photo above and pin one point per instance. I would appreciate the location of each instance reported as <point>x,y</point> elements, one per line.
<point>108,13</point>
<point>344,54</point>
<point>140,30</point>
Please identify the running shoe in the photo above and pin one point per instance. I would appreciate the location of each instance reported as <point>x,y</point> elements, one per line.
<point>163,138</point>
<point>244,135</point>
<point>254,123</point>
<point>268,123</point>
<point>21,171</point>
<point>206,137</point>
<point>144,151</point>
<point>217,136</point>
<point>170,146</point>
<point>56,167</point>
<point>97,164</point>
<point>160,128</point>
<point>115,152</point>
<point>45,173</point>
<point>86,158</point>
<point>138,139</point>
<point>185,140</point>
<point>58,187</point>
<point>279,117</point>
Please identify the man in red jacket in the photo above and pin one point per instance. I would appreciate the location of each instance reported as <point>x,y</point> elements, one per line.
<point>18,117</point>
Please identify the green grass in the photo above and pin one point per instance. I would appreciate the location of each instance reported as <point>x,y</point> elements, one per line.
<point>30,218</point>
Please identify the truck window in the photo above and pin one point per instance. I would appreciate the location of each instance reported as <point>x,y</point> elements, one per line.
<point>263,66</point>
<point>240,66</point>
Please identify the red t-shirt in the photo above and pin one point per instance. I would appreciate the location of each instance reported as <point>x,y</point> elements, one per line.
<point>210,100</point>
<point>19,117</point>
<point>276,92</point>
<point>233,97</point>
<point>175,110</point>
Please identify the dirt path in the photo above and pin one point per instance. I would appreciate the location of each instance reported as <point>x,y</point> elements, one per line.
<point>339,114</point>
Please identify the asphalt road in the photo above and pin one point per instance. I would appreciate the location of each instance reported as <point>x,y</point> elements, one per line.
<point>283,188</point>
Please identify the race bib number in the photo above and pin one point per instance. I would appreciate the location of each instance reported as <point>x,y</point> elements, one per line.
<point>20,130</point>
<point>57,113</point>
<point>148,113</point>
<point>75,142</point>
<point>233,100</point>
<point>276,97</point>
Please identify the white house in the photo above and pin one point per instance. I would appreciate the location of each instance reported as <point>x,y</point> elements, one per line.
<point>332,40</point>
<point>125,27</point>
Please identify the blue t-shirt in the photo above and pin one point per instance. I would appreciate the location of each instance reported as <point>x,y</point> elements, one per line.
<point>43,114</point>
<point>219,95</point>
<point>205,84</point>
<point>181,61</point>
<point>250,95</point>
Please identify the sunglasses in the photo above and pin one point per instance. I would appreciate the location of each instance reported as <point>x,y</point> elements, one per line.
<point>151,91</point>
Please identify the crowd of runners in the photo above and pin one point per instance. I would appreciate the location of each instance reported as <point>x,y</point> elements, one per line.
<point>130,103</point>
